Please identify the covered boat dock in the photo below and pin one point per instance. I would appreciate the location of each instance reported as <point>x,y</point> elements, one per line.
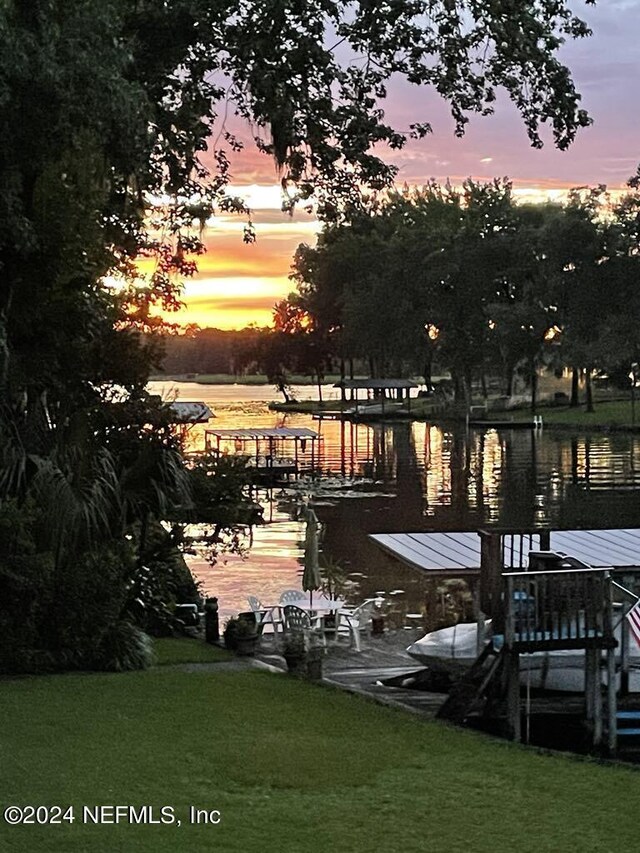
<point>460,553</point>
<point>382,396</point>
<point>544,591</point>
<point>271,451</point>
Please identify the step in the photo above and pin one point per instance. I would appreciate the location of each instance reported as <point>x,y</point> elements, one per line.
<point>628,715</point>
<point>628,732</point>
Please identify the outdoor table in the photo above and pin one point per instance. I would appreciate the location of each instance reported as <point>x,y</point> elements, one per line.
<point>319,609</point>
<point>318,606</point>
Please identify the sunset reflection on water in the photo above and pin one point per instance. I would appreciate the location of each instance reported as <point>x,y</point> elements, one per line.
<point>410,477</point>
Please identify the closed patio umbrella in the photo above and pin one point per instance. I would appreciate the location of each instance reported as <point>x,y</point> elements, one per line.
<point>311,579</point>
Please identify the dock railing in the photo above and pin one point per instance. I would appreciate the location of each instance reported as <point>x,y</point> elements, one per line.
<point>560,609</point>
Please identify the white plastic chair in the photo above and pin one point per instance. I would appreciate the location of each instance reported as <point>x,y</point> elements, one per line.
<point>291,596</point>
<point>351,622</point>
<point>264,615</point>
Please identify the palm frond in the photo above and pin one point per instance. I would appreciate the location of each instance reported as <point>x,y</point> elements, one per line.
<point>78,510</point>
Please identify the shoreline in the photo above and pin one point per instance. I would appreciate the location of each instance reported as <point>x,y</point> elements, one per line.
<point>610,415</point>
<point>257,379</point>
<point>500,421</point>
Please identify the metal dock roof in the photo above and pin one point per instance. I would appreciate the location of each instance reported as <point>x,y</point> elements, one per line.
<point>264,433</point>
<point>458,553</point>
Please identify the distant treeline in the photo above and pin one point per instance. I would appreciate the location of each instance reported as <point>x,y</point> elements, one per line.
<point>210,351</point>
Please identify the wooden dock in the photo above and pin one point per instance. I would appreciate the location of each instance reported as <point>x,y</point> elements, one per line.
<point>546,719</point>
<point>381,658</point>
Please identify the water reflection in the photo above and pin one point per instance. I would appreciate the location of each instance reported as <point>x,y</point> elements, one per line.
<point>400,477</point>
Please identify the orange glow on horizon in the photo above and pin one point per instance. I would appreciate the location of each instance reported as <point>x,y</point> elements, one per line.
<point>238,284</point>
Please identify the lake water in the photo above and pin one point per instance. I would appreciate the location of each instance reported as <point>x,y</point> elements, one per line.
<point>409,477</point>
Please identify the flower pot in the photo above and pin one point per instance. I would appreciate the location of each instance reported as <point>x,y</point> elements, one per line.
<point>231,639</point>
<point>314,668</point>
<point>295,663</point>
<point>377,624</point>
<point>246,646</point>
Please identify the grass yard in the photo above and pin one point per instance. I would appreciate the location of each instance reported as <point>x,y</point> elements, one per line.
<point>172,650</point>
<point>607,413</point>
<point>291,767</point>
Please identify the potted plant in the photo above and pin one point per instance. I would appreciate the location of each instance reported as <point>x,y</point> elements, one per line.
<point>334,577</point>
<point>230,633</point>
<point>241,635</point>
<point>334,585</point>
<point>302,657</point>
<point>246,636</point>
<point>294,650</point>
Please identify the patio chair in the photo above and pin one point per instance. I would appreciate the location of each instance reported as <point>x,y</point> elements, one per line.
<point>297,619</point>
<point>265,615</point>
<point>290,596</point>
<point>351,622</point>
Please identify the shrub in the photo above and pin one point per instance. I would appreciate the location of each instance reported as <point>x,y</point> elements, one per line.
<point>123,647</point>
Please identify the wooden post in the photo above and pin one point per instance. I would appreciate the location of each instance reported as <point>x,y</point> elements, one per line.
<point>612,725</point>
<point>597,700</point>
<point>588,684</point>
<point>431,603</point>
<point>481,633</point>
<point>612,709</point>
<point>513,695</point>
<point>491,578</point>
<point>624,657</point>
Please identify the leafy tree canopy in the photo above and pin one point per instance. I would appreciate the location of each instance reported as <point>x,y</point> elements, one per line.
<point>114,148</point>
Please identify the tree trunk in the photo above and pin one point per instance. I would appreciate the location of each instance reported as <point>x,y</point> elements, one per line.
<point>427,373</point>
<point>467,387</point>
<point>319,375</point>
<point>509,380</point>
<point>534,386</point>
<point>574,402</point>
<point>282,388</point>
<point>457,388</point>
<point>588,390</point>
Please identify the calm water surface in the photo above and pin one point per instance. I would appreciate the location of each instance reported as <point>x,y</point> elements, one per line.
<point>410,477</point>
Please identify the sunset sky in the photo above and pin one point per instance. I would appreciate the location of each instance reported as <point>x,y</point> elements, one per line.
<point>238,284</point>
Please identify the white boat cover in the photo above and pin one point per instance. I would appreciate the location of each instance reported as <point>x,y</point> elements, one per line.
<point>559,670</point>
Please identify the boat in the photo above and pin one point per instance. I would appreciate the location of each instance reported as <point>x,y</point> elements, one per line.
<point>534,423</point>
<point>374,409</point>
<point>560,670</point>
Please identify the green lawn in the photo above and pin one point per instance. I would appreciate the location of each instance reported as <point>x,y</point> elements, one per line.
<point>172,650</point>
<point>291,767</point>
<point>607,413</point>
